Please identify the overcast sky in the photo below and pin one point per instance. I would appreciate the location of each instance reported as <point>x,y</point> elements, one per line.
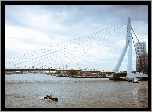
<point>71,36</point>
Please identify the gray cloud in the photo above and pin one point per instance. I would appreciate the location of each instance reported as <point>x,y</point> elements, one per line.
<point>46,26</point>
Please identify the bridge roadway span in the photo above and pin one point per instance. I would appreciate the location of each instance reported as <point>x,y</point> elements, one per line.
<point>32,69</point>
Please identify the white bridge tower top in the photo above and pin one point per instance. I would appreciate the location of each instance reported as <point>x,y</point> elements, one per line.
<point>128,43</point>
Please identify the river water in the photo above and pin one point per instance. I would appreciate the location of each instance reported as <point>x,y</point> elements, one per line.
<point>28,90</point>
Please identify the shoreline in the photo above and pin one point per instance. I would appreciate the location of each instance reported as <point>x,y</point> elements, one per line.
<point>89,77</point>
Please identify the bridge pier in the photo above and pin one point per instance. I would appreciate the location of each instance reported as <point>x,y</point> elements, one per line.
<point>116,76</point>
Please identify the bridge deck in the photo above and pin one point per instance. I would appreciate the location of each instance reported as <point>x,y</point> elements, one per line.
<point>37,70</point>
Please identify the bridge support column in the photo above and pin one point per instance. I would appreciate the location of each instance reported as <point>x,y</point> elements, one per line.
<point>129,40</point>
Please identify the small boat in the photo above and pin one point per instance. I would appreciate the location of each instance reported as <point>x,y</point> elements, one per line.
<point>135,80</point>
<point>50,97</point>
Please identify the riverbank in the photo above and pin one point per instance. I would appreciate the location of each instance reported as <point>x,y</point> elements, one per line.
<point>88,77</point>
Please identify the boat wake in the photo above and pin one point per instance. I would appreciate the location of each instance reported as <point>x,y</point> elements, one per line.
<point>38,97</point>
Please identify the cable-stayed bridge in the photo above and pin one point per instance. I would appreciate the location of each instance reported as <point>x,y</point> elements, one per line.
<point>93,52</point>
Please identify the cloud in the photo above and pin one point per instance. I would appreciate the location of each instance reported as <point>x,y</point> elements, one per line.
<point>133,11</point>
<point>25,35</point>
<point>72,35</point>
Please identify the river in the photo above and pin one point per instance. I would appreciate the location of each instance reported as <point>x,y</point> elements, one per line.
<point>28,90</point>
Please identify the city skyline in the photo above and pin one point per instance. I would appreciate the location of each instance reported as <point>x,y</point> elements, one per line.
<point>70,34</point>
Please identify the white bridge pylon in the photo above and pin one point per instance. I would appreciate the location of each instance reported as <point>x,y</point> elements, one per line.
<point>128,44</point>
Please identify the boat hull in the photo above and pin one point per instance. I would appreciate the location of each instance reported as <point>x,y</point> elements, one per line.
<point>54,99</point>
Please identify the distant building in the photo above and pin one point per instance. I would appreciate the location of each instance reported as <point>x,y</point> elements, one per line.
<point>141,57</point>
<point>144,59</point>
